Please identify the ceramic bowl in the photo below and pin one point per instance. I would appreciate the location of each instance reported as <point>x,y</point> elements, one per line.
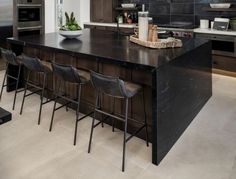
<point>70,34</point>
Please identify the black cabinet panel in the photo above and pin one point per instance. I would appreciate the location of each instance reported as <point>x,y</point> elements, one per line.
<point>190,11</point>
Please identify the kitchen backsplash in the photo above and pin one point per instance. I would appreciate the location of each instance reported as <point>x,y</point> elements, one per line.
<point>190,11</point>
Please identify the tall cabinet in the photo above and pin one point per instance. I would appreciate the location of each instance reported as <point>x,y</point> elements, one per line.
<point>102,10</point>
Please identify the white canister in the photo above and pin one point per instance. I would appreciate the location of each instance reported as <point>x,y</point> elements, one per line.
<point>204,24</point>
<point>143,25</point>
<point>212,24</point>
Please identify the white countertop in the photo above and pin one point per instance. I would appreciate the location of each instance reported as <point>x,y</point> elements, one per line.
<point>111,24</point>
<point>197,30</point>
<point>133,26</point>
<point>216,32</point>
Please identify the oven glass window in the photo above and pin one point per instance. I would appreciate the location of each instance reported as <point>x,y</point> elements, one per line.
<point>29,14</point>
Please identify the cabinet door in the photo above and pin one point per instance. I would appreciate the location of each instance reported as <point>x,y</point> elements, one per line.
<point>107,11</point>
<point>96,10</point>
<point>101,10</point>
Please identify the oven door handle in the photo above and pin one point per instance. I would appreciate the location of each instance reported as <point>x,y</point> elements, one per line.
<point>28,28</point>
<point>29,5</point>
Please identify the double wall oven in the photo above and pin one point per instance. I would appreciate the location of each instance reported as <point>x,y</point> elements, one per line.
<point>29,17</point>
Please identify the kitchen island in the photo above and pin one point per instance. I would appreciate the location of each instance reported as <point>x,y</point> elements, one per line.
<point>177,82</point>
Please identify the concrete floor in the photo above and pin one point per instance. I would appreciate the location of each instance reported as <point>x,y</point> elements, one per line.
<point>207,149</point>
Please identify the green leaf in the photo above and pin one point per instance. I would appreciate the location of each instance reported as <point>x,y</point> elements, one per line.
<point>67,18</point>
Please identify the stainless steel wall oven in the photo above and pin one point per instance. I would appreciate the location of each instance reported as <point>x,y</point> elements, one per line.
<point>29,16</point>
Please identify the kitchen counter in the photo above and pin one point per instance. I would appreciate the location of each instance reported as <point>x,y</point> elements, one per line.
<point>215,32</point>
<point>134,26</point>
<point>121,50</point>
<point>110,24</point>
<point>177,82</point>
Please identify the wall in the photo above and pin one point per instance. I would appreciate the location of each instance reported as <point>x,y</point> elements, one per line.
<point>71,6</point>
<point>168,11</point>
<point>81,9</point>
<point>50,16</point>
<point>84,11</point>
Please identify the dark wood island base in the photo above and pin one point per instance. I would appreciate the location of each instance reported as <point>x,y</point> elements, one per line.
<point>177,82</point>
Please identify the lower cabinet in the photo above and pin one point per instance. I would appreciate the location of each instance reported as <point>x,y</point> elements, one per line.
<point>224,65</point>
<point>223,53</point>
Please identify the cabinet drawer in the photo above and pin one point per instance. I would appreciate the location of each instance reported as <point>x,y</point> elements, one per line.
<point>216,37</point>
<point>224,63</point>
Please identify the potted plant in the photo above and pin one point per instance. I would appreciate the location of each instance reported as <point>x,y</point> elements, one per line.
<point>71,29</point>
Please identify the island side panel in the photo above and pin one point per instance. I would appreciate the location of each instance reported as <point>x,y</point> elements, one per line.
<point>183,88</point>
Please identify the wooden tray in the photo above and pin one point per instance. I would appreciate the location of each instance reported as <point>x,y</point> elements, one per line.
<point>161,43</point>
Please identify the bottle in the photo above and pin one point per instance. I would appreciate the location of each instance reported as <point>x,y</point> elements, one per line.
<point>150,32</point>
<point>120,19</point>
<point>154,33</point>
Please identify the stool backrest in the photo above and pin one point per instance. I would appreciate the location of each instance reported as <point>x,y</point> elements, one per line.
<point>9,56</point>
<point>32,63</point>
<point>66,72</point>
<point>109,85</point>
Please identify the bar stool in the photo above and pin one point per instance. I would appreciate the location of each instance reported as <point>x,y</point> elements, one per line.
<point>116,88</point>
<point>71,75</point>
<point>11,59</point>
<point>33,64</point>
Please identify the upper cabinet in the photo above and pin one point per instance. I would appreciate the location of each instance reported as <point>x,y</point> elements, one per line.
<point>102,10</point>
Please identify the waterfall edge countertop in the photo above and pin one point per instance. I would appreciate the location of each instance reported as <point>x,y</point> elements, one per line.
<point>109,45</point>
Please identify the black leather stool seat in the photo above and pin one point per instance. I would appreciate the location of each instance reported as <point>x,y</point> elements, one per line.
<point>132,88</point>
<point>84,75</point>
<point>47,66</point>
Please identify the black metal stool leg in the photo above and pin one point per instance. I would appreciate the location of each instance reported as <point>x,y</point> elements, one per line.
<point>145,118</point>
<point>4,80</point>
<point>93,122</point>
<point>54,106</point>
<point>41,97</point>
<point>113,112</point>
<point>77,114</point>
<point>125,132</point>
<point>100,104</point>
<point>26,86</point>
<point>65,94</point>
<point>17,85</point>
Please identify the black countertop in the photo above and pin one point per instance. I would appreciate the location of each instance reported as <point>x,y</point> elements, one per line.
<point>109,46</point>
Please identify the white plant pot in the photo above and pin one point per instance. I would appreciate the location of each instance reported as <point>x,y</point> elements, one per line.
<point>70,34</point>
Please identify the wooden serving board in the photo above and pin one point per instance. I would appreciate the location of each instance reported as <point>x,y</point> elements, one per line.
<point>161,43</point>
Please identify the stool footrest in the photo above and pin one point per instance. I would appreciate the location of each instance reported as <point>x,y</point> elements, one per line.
<point>101,121</point>
<point>135,133</point>
<point>32,93</point>
<point>85,116</point>
<point>63,105</point>
<point>108,114</point>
